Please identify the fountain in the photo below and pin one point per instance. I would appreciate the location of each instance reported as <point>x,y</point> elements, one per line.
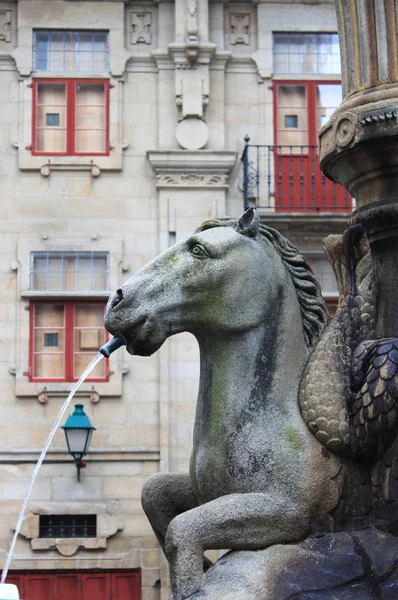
<point>10,591</point>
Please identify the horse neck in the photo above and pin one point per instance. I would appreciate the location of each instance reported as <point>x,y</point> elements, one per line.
<point>261,366</point>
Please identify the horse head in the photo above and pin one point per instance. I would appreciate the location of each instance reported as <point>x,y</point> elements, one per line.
<point>226,278</point>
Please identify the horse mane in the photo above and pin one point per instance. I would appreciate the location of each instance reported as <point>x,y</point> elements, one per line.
<point>314,312</point>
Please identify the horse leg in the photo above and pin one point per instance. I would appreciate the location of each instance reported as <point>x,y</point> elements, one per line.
<point>238,521</point>
<point>163,497</point>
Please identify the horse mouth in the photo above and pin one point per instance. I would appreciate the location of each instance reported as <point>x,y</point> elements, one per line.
<point>138,336</point>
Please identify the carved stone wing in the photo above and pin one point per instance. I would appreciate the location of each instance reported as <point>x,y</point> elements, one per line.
<point>374,410</point>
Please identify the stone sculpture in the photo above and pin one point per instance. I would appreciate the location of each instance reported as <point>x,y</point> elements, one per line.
<point>263,474</point>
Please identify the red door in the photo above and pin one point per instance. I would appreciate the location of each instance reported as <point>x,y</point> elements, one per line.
<point>301,109</point>
<point>77,585</point>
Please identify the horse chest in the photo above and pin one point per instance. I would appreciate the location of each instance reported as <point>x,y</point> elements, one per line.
<point>238,463</point>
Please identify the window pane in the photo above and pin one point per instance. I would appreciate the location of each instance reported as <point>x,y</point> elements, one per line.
<point>49,366</point>
<point>51,100</point>
<point>41,56</point>
<point>82,361</point>
<point>56,51</point>
<point>49,340</point>
<point>89,315</point>
<point>99,282</point>
<point>292,116</point>
<point>324,273</point>
<point>90,118</point>
<point>49,315</point>
<point>90,141</point>
<point>89,336</point>
<point>328,98</point>
<point>297,53</point>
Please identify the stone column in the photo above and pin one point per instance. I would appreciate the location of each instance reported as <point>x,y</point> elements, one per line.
<point>359,145</point>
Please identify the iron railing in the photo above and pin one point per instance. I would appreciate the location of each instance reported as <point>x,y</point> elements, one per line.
<point>288,179</point>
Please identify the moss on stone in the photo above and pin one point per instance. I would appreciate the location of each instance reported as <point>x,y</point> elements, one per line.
<point>293,438</point>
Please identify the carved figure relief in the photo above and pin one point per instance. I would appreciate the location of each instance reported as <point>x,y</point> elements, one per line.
<point>5,25</point>
<point>141,23</point>
<point>240,28</point>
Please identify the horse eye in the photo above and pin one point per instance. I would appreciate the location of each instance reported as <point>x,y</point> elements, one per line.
<point>198,251</point>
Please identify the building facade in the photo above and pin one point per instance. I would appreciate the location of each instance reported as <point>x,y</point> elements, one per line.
<point>123,127</point>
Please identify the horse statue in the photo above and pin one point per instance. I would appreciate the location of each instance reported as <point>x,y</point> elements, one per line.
<point>260,475</point>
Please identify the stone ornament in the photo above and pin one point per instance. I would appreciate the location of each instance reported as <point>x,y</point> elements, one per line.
<point>345,129</point>
<point>191,180</point>
<point>192,133</point>
<point>5,25</point>
<point>141,24</point>
<point>240,28</point>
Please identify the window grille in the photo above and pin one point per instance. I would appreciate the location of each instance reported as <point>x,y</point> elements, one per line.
<point>70,51</point>
<point>69,271</point>
<point>67,526</point>
<point>307,53</point>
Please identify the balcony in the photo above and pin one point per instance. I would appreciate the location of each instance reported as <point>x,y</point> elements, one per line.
<point>287,179</point>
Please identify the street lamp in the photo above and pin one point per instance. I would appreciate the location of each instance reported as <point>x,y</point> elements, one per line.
<point>78,430</point>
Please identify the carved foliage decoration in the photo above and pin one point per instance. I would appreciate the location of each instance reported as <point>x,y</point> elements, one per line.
<point>5,26</point>
<point>141,28</point>
<point>240,28</point>
<point>192,180</point>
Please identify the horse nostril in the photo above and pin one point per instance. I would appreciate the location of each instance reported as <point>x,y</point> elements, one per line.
<point>117,298</point>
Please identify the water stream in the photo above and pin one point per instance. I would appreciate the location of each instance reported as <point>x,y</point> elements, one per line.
<point>54,428</point>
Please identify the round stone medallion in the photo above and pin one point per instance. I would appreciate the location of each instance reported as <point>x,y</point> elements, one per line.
<point>192,133</point>
<point>345,130</point>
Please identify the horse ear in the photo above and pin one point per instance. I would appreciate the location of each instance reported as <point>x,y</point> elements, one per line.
<point>249,223</point>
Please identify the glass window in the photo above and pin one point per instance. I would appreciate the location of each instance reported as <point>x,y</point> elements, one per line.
<point>70,117</point>
<point>51,117</point>
<point>49,326</point>
<point>328,98</point>
<point>69,271</point>
<point>292,117</point>
<point>307,53</point>
<point>90,130</point>
<point>324,273</point>
<point>70,51</point>
<point>65,338</point>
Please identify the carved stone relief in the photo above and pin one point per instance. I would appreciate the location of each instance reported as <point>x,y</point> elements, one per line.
<point>141,28</point>
<point>239,28</point>
<point>5,25</point>
<point>191,180</point>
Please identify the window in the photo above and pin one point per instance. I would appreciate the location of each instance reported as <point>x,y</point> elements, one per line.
<point>324,273</point>
<point>69,271</point>
<point>307,53</point>
<point>70,51</point>
<point>70,117</point>
<point>67,526</point>
<point>302,109</point>
<point>65,337</point>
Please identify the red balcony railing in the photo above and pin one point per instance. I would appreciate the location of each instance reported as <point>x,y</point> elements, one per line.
<point>288,179</point>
